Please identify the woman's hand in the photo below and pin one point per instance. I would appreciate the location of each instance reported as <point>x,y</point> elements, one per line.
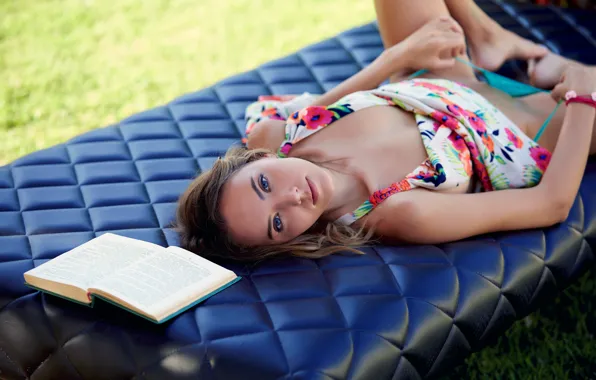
<point>565,171</point>
<point>433,47</point>
<point>577,78</point>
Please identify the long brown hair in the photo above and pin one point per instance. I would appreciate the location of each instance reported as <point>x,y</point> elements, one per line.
<point>202,229</point>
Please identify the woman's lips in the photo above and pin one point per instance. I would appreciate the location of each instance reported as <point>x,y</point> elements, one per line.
<point>313,191</point>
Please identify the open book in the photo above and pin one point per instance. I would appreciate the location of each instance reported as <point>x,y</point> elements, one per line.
<point>151,281</point>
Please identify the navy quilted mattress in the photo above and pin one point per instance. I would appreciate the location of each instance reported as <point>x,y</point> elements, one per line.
<point>397,312</point>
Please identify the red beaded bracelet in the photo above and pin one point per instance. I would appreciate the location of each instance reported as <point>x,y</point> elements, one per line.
<point>572,97</point>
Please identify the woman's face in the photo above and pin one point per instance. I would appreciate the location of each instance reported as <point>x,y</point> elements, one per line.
<point>272,200</point>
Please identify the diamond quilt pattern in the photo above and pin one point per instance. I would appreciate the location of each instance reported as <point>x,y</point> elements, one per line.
<point>396,312</point>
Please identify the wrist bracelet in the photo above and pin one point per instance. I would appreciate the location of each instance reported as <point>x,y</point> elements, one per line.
<point>572,97</point>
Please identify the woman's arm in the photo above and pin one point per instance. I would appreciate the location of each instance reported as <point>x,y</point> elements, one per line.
<point>568,162</point>
<point>431,47</point>
<point>368,78</point>
<point>422,216</point>
<point>434,46</point>
<point>425,217</point>
<point>565,171</point>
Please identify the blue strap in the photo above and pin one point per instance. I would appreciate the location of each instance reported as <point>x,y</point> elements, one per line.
<point>547,121</point>
<point>418,73</point>
<point>507,85</point>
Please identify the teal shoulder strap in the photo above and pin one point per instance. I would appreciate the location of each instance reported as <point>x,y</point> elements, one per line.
<point>547,121</point>
<point>509,86</point>
<point>418,73</point>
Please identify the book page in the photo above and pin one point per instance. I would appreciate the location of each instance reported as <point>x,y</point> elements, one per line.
<point>92,261</point>
<point>162,281</point>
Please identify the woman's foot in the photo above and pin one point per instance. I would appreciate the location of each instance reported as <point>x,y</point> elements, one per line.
<point>546,72</point>
<point>495,45</point>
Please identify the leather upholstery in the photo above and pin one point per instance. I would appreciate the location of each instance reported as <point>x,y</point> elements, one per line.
<point>397,312</point>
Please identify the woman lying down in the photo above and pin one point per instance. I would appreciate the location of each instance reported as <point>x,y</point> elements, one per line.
<point>428,160</point>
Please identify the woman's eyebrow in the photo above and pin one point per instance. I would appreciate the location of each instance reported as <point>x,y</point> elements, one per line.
<point>260,194</point>
<point>256,189</point>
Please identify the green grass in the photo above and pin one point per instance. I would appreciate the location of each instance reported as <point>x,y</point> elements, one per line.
<point>68,66</point>
<point>556,342</point>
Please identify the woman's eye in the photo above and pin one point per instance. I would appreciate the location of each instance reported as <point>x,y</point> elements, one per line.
<point>264,182</point>
<point>277,224</point>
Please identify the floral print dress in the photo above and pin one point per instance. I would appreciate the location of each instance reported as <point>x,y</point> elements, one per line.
<point>465,137</point>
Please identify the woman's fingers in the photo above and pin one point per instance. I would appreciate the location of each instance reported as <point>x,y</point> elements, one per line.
<point>559,91</point>
<point>448,23</point>
<point>455,43</point>
<point>531,67</point>
<point>446,49</point>
<point>443,63</point>
<point>437,44</point>
<point>456,28</point>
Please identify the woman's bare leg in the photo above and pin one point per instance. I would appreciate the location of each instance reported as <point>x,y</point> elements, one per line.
<point>490,44</point>
<point>547,72</point>
<point>399,18</point>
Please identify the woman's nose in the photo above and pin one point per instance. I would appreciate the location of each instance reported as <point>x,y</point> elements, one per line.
<point>292,198</point>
